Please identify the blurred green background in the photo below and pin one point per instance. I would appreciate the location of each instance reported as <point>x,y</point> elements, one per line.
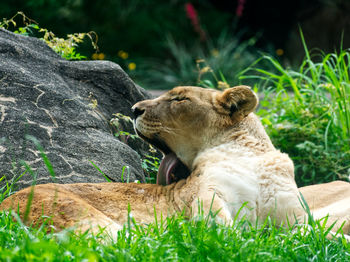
<point>158,42</point>
<point>304,85</point>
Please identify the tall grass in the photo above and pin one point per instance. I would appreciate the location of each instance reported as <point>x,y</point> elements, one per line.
<point>174,238</point>
<point>307,112</point>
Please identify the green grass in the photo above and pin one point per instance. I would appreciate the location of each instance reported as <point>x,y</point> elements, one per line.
<point>173,239</point>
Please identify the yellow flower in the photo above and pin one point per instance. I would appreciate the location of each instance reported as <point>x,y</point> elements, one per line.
<point>122,54</point>
<point>93,103</point>
<point>132,66</point>
<point>97,56</point>
<point>205,70</point>
<point>214,52</point>
<point>223,85</point>
<point>328,86</point>
<point>279,51</point>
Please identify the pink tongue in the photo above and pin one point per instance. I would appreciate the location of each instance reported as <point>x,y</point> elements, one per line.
<point>166,167</point>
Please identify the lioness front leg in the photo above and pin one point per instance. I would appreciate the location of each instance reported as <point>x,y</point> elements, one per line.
<point>212,203</point>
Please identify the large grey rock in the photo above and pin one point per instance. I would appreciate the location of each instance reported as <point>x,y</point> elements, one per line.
<point>49,98</point>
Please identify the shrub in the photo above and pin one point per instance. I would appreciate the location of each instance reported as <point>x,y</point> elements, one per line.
<point>227,55</point>
<point>65,47</point>
<point>137,27</point>
<point>307,112</point>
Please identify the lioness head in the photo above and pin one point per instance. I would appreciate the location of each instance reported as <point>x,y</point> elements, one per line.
<point>186,120</point>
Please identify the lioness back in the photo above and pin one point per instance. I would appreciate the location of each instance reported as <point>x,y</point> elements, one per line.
<point>331,200</point>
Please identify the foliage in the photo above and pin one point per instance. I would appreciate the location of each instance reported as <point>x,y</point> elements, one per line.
<point>150,160</point>
<point>307,113</point>
<point>119,122</point>
<point>150,164</point>
<point>137,27</point>
<point>226,55</point>
<point>66,47</point>
<point>9,186</point>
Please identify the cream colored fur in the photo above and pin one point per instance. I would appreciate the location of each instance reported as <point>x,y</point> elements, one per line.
<point>216,135</point>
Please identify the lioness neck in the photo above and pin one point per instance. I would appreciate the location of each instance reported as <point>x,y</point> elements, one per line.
<point>255,129</point>
<point>248,135</point>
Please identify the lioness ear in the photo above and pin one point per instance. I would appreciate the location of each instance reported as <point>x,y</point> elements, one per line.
<point>238,99</point>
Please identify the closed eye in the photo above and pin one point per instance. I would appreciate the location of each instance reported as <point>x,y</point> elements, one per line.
<point>179,99</point>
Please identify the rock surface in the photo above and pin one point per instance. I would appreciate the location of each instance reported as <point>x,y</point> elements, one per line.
<point>51,99</point>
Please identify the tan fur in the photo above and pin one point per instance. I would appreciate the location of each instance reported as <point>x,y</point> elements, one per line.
<point>332,200</point>
<point>216,135</point>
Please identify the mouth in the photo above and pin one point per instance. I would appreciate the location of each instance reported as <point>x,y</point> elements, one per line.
<point>171,169</point>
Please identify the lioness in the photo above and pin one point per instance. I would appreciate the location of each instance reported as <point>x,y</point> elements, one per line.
<point>230,158</point>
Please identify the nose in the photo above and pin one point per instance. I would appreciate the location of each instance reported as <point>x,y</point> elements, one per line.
<point>137,111</point>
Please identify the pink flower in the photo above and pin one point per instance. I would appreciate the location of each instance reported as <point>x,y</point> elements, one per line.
<point>240,8</point>
<point>191,13</point>
<point>193,16</point>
